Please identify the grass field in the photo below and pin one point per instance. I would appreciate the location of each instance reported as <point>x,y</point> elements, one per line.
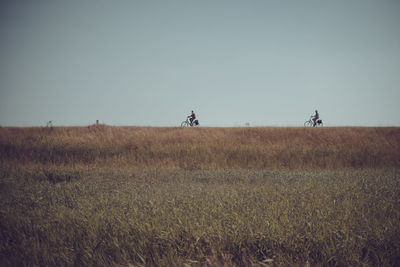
<point>204,148</point>
<point>137,196</point>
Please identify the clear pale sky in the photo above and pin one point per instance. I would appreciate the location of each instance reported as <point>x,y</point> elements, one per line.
<point>266,63</point>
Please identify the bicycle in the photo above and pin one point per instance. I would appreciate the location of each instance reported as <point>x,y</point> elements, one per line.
<point>310,122</point>
<point>187,123</point>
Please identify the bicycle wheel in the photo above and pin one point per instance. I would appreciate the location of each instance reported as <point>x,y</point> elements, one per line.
<point>185,123</point>
<point>308,123</point>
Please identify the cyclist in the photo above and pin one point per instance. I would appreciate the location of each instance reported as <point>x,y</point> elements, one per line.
<point>192,117</point>
<point>315,118</point>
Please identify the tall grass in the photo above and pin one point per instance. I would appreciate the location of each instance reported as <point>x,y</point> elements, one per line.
<point>142,196</point>
<point>205,148</point>
<point>107,217</point>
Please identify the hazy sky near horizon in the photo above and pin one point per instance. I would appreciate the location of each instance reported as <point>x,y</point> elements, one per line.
<point>262,62</point>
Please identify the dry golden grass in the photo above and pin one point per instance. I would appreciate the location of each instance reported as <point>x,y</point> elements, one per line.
<point>204,148</point>
<point>52,216</point>
<point>137,196</point>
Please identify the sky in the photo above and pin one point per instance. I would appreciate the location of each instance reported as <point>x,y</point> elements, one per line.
<point>149,63</point>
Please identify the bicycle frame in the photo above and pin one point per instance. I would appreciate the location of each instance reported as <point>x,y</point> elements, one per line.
<point>310,122</point>
<point>187,123</point>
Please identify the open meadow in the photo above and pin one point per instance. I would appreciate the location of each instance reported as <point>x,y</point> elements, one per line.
<point>149,196</point>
